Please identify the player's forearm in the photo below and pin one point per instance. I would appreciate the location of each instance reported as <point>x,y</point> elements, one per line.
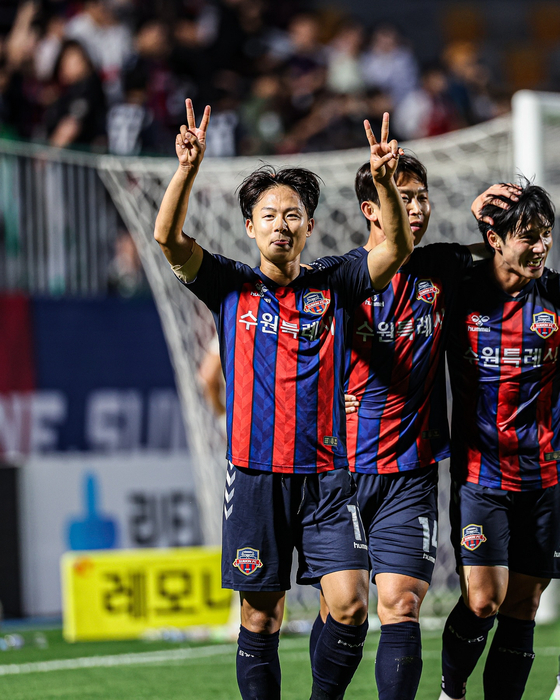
<point>396,226</point>
<point>168,230</point>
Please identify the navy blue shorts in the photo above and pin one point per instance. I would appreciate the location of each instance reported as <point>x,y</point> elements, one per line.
<point>267,515</point>
<point>516,529</point>
<point>399,512</point>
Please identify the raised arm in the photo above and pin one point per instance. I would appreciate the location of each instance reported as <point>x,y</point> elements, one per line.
<point>502,194</point>
<point>386,258</point>
<point>181,250</point>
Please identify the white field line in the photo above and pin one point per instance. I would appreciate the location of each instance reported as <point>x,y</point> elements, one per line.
<point>177,655</point>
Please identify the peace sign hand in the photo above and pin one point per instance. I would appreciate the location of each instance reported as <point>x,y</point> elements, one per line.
<point>384,157</point>
<point>190,144</point>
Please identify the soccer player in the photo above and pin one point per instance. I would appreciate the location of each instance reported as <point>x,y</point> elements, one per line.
<point>397,423</point>
<point>281,329</point>
<point>556,692</point>
<point>505,505</point>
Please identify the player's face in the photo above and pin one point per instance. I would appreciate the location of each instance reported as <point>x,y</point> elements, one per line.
<point>415,197</point>
<point>280,225</point>
<point>524,251</point>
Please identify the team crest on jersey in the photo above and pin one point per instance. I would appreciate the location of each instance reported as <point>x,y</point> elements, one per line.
<point>544,324</point>
<point>426,291</point>
<point>315,302</point>
<point>247,560</point>
<point>473,537</point>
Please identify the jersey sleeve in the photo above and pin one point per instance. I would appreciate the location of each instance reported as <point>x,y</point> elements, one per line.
<point>217,277</point>
<point>331,261</point>
<point>353,281</point>
<point>551,281</point>
<point>450,258</point>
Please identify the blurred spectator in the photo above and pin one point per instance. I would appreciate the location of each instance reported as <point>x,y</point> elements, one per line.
<point>130,124</point>
<point>20,91</point>
<point>108,42</point>
<point>261,116</point>
<point>126,275</point>
<point>150,70</point>
<point>469,82</point>
<point>48,47</point>
<point>389,65</point>
<point>77,115</point>
<point>343,72</point>
<point>429,110</point>
<point>211,377</point>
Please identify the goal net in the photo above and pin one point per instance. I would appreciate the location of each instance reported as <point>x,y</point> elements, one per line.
<point>460,165</point>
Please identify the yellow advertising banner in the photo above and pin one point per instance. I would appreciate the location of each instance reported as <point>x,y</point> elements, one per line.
<point>120,594</point>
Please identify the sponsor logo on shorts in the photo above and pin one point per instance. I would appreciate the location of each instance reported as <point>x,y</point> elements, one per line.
<point>431,559</point>
<point>473,537</point>
<point>330,440</point>
<point>544,324</point>
<point>426,291</point>
<point>556,555</point>
<point>247,560</point>
<point>360,546</point>
<point>315,302</point>
<point>478,324</point>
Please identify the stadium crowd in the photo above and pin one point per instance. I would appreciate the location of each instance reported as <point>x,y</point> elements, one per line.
<point>112,75</point>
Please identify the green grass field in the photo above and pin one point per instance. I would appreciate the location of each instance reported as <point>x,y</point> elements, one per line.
<point>162,671</point>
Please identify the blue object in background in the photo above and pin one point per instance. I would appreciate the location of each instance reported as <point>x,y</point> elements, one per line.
<point>94,531</point>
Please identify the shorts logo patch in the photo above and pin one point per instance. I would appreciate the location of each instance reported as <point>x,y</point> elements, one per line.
<point>247,560</point>
<point>315,302</point>
<point>544,324</point>
<point>426,291</point>
<point>473,537</point>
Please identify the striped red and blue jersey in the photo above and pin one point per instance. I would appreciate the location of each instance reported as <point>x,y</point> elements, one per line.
<point>503,364</point>
<point>395,364</point>
<point>282,351</point>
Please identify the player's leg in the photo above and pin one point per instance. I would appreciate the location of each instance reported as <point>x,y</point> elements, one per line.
<point>511,653</point>
<point>468,625</point>
<point>339,648</point>
<point>480,536</point>
<point>556,692</point>
<point>402,549</point>
<point>535,539</point>
<point>258,665</point>
<point>398,664</point>
<point>256,560</point>
<point>318,625</point>
<point>333,549</point>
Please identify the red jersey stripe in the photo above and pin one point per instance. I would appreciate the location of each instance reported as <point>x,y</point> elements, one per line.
<point>359,373</point>
<point>508,396</point>
<point>285,394</point>
<point>402,350</point>
<point>247,310</point>
<point>474,457</point>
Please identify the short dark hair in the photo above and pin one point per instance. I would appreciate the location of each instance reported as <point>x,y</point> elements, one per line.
<point>408,165</point>
<point>534,204</point>
<point>304,182</point>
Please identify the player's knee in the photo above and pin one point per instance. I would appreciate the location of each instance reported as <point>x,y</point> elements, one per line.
<point>525,609</point>
<point>260,621</point>
<point>483,605</point>
<point>404,607</point>
<point>352,611</point>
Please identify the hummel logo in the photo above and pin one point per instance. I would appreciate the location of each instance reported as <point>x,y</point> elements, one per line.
<point>479,322</point>
<point>556,555</point>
